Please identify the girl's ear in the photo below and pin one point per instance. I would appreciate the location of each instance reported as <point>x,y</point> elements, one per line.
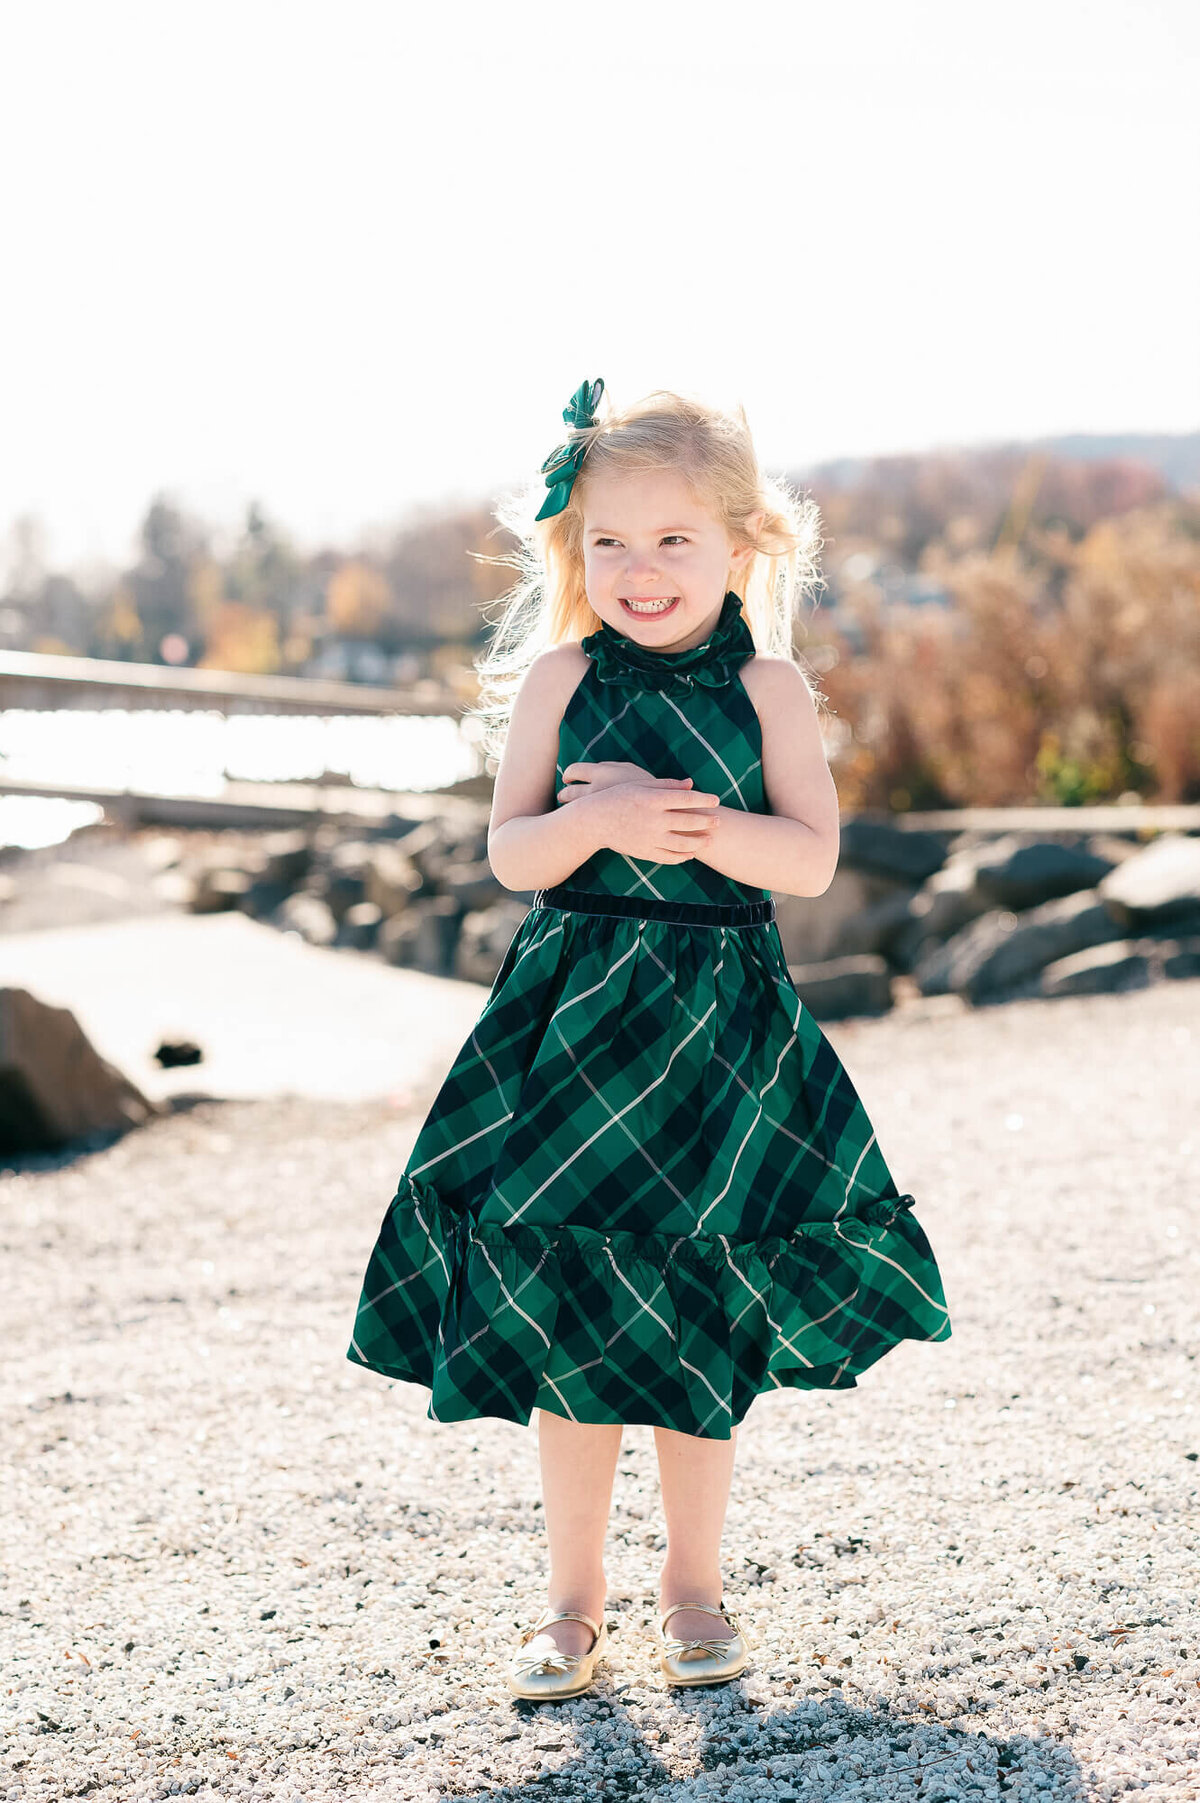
<point>754,527</point>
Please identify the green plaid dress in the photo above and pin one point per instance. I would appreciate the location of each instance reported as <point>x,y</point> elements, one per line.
<point>647,1189</point>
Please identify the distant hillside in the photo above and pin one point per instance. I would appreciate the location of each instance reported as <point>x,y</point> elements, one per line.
<point>1175,456</point>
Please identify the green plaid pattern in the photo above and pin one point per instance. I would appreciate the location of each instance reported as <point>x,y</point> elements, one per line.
<point>647,1190</point>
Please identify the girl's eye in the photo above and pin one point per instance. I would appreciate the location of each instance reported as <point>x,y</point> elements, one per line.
<point>678,537</point>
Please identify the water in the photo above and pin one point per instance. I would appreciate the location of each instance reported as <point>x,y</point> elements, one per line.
<point>188,751</point>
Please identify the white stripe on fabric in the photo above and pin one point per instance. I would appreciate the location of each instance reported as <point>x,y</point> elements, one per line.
<point>606,728</point>
<point>853,1175</point>
<point>643,876</point>
<point>779,1125</point>
<point>721,1193</point>
<point>884,1259</point>
<point>551,932</point>
<point>481,1057</point>
<point>711,749</point>
<point>429,1235</point>
<point>642,1303</point>
<point>844,1303</point>
<point>546,1379</point>
<point>773,1324</point>
<point>573,1001</point>
<point>510,1298</point>
<point>373,1301</point>
<point>613,1338</point>
<point>470,1140</point>
<point>723,1408</point>
<point>583,1147</point>
<point>631,1136</point>
<point>719,1399</point>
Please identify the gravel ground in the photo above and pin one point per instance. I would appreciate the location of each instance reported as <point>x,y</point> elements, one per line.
<point>235,1565</point>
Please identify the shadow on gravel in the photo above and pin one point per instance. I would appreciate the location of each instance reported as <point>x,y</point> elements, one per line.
<point>819,1750</point>
<point>78,1149</point>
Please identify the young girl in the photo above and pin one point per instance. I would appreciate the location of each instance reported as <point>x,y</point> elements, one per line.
<point>647,1190</point>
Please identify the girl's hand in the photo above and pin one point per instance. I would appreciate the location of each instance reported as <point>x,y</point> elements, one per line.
<point>586,779</point>
<point>660,819</point>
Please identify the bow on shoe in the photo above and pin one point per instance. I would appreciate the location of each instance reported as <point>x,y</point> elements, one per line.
<point>533,1665</point>
<point>693,1649</point>
<point>565,461</point>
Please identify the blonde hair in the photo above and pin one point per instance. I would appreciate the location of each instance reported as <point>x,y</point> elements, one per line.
<point>714,452</point>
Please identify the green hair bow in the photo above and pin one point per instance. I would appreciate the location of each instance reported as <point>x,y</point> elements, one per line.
<point>565,461</point>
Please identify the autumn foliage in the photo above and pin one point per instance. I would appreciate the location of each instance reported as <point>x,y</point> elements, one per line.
<point>1058,669</point>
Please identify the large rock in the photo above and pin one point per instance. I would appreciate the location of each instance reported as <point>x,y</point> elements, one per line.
<point>877,848</point>
<point>1101,969</point>
<point>430,847</point>
<point>876,930</point>
<point>948,902</point>
<point>307,915</point>
<point>54,1086</point>
<point>1159,886</point>
<point>344,883</point>
<point>392,878</point>
<point>216,889</point>
<point>468,843</point>
<point>1002,949</point>
<point>1123,964</point>
<point>1114,848</point>
<point>262,898</point>
<point>1181,958</point>
<point>814,928</point>
<point>1023,876</point>
<point>287,856</point>
<point>359,926</point>
<point>473,886</point>
<point>424,936</point>
<point>390,826</point>
<point>483,939</point>
<point>842,987</point>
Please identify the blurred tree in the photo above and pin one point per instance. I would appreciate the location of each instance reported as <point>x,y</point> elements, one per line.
<point>118,629</point>
<point>25,558</point>
<point>59,616</point>
<point>439,587</point>
<point>264,569</point>
<point>358,601</point>
<point>172,545</point>
<point>243,639</point>
<point>206,594</point>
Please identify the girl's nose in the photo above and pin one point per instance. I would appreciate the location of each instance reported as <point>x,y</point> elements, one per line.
<point>637,568</point>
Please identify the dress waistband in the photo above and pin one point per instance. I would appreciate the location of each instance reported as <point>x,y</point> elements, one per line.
<point>678,913</point>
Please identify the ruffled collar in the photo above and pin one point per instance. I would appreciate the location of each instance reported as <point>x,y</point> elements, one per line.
<point>713,663</point>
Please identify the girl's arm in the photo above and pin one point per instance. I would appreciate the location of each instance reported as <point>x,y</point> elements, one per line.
<point>533,843</point>
<point>794,848</point>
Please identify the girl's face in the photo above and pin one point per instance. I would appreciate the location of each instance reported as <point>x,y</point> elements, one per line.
<point>646,537</point>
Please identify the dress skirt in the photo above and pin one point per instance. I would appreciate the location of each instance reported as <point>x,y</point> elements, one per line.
<point>647,1190</point>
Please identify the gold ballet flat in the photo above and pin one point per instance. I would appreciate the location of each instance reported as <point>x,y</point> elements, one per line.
<point>702,1661</point>
<point>540,1670</point>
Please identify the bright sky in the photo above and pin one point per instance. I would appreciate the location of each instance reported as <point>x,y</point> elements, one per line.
<point>351,258</point>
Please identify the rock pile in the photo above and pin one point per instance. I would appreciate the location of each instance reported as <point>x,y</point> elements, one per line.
<point>986,917</point>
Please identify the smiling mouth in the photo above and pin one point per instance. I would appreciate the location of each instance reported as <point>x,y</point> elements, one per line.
<point>647,608</point>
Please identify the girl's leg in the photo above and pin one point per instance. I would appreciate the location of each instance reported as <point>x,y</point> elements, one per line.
<point>578,1462</point>
<point>695,1474</point>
